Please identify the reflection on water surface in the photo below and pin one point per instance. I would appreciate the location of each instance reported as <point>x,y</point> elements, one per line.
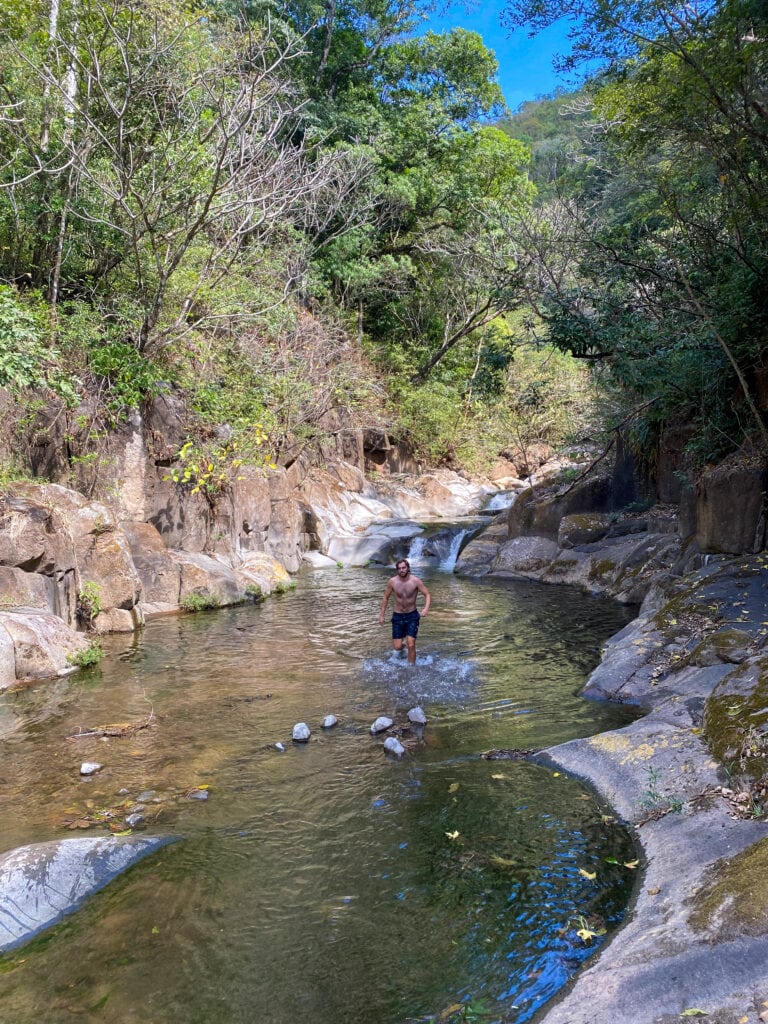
<point>328,883</point>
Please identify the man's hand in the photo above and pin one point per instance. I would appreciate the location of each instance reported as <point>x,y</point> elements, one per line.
<point>381,620</point>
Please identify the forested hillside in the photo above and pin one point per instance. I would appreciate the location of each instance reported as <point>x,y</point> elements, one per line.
<point>301,215</point>
<point>647,249</point>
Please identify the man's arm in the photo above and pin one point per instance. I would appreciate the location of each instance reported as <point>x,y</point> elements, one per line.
<point>427,598</point>
<point>384,602</point>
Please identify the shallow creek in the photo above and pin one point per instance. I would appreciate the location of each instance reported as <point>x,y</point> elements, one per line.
<point>330,883</point>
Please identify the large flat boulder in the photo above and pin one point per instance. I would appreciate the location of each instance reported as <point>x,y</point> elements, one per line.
<point>34,644</point>
<point>42,883</point>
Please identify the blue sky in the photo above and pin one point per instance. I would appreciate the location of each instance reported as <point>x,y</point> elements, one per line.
<point>525,65</point>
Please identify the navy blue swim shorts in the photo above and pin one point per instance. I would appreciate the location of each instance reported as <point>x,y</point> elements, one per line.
<point>405,624</point>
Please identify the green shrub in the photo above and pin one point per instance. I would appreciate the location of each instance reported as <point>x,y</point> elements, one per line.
<point>199,602</point>
<point>25,361</point>
<point>90,655</point>
<point>89,602</point>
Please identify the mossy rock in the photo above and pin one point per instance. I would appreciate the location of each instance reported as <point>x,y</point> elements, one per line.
<point>582,528</point>
<point>562,566</point>
<point>736,719</point>
<point>730,646</point>
<point>599,570</point>
<point>734,899</point>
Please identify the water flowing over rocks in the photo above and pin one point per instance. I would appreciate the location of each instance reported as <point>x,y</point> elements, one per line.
<point>42,883</point>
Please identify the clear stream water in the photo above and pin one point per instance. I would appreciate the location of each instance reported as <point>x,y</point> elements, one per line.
<point>321,884</point>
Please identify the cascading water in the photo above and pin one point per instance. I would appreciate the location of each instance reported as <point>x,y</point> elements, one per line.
<point>441,548</point>
<point>500,501</point>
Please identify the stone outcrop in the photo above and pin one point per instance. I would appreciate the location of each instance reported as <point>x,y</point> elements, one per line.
<point>731,508</point>
<point>703,899</point>
<point>42,883</point>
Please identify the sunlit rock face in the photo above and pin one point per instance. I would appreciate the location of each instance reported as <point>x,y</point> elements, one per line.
<point>42,883</point>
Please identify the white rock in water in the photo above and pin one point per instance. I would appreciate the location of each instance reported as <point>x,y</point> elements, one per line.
<point>394,746</point>
<point>381,725</point>
<point>301,732</point>
<point>329,721</point>
<point>417,716</point>
<point>90,768</point>
<point>280,747</point>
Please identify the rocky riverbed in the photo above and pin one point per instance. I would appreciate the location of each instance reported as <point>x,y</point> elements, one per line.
<point>690,777</point>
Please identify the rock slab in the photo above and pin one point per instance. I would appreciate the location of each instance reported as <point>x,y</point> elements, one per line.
<point>42,883</point>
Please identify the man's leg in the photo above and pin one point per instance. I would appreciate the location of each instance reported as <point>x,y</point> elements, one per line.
<point>411,642</point>
<point>398,645</point>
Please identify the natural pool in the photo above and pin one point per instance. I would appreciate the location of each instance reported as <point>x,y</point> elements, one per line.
<point>328,884</point>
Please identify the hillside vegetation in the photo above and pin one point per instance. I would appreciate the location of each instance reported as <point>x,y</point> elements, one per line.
<point>303,217</point>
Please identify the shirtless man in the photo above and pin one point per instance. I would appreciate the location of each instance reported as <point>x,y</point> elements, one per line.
<point>405,618</point>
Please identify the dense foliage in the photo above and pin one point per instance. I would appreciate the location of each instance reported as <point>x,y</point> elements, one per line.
<point>649,256</point>
<point>303,215</point>
<point>290,213</point>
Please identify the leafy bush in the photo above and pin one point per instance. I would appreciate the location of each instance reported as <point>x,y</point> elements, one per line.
<point>90,655</point>
<point>199,602</point>
<point>25,361</point>
<point>130,377</point>
<point>89,602</point>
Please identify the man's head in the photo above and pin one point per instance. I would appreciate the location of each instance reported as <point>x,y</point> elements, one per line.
<point>403,567</point>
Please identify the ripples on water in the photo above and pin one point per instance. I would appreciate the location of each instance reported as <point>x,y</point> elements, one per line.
<point>325,884</point>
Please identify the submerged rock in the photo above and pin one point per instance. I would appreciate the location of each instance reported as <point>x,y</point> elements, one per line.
<point>281,747</point>
<point>392,745</point>
<point>40,884</point>
<point>90,767</point>
<point>381,725</point>
<point>301,733</point>
<point>329,721</point>
<point>417,716</point>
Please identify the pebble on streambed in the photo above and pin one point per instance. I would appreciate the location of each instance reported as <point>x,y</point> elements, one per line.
<point>90,767</point>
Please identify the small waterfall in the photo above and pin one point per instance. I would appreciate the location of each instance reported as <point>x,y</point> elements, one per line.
<point>448,563</point>
<point>441,548</point>
<point>500,501</point>
<point>417,552</point>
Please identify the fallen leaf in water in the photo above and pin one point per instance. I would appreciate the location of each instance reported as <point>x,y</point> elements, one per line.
<point>611,860</point>
<point>453,835</point>
<point>502,862</point>
<point>654,892</point>
<point>631,864</point>
<point>586,935</point>
<point>588,874</point>
<point>155,930</point>
<point>555,775</point>
<point>498,776</point>
<point>693,1012</point>
<point>453,787</point>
